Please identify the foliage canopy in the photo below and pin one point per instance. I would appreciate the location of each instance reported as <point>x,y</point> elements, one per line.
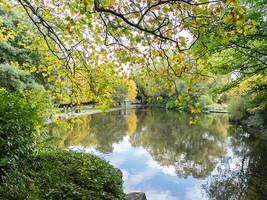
<point>87,45</point>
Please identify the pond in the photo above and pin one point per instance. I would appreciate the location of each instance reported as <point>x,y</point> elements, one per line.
<point>163,154</point>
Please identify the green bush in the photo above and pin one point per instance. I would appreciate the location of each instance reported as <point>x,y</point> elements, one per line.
<point>168,102</point>
<point>204,101</point>
<point>224,97</point>
<point>161,103</point>
<point>237,107</point>
<point>171,104</point>
<point>59,174</point>
<point>258,118</point>
<point>18,119</point>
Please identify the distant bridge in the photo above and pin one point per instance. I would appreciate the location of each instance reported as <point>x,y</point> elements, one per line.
<point>216,111</point>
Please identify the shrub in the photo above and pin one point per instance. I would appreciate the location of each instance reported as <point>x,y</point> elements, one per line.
<point>258,118</point>
<point>59,174</point>
<point>171,104</point>
<point>18,119</point>
<point>204,101</point>
<point>224,97</point>
<point>237,107</point>
<point>161,103</point>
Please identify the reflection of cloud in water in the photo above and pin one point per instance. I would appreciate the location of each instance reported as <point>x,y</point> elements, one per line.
<point>160,195</point>
<point>123,146</point>
<point>230,162</point>
<point>170,170</point>
<point>132,180</point>
<point>195,193</point>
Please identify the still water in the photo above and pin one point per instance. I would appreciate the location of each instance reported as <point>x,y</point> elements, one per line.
<point>164,155</point>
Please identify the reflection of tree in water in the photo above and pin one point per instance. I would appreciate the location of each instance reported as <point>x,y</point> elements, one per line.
<point>108,128</point>
<point>132,123</point>
<point>100,130</point>
<point>76,134</point>
<point>244,175</point>
<point>171,140</point>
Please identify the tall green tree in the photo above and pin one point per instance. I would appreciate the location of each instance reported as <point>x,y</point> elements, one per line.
<point>120,94</point>
<point>243,55</point>
<point>13,79</point>
<point>16,38</point>
<point>17,49</point>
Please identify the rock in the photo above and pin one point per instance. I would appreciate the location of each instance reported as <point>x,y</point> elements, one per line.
<point>119,172</point>
<point>132,195</point>
<point>137,196</point>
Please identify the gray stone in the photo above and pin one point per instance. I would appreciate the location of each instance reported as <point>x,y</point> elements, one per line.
<point>137,196</point>
<point>133,195</point>
<point>119,172</point>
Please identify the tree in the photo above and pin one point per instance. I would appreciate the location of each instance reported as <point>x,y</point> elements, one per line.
<point>120,93</point>
<point>24,48</point>
<point>131,90</point>
<point>163,39</point>
<point>243,54</point>
<point>17,47</point>
<point>13,79</point>
<point>237,108</point>
<point>133,32</point>
<point>16,38</point>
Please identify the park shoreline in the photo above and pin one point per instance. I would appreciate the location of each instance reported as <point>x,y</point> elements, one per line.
<point>73,114</point>
<point>78,113</point>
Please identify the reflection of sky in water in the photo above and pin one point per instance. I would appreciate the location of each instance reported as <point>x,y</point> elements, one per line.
<point>142,173</point>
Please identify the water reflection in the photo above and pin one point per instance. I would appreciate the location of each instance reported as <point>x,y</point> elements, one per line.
<point>99,130</point>
<point>78,133</point>
<point>161,154</point>
<point>243,174</point>
<point>171,140</point>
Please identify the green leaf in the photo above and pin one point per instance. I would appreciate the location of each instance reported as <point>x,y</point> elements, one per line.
<point>166,10</point>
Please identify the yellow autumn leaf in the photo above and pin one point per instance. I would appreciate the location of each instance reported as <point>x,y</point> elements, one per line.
<point>44,74</point>
<point>49,68</point>
<point>32,69</point>
<point>226,19</point>
<point>51,78</point>
<point>241,11</point>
